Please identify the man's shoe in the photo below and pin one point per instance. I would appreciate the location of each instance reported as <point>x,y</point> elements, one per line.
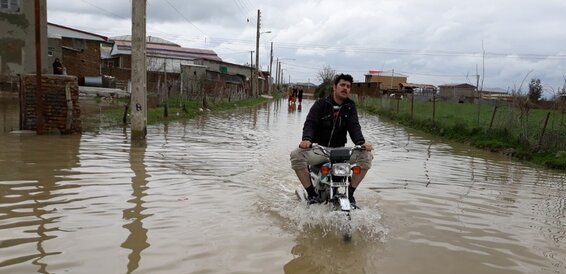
<point>312,200</point>
<point>353,202</point>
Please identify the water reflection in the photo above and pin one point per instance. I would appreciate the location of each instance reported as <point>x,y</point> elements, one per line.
<point>9,114</point>
<point>215,195</point>
<point>32,190</point>
<point>137,238</point>
<point>316,251</point>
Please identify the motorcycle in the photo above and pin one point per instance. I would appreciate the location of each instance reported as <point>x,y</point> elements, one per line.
<point>331,180</point>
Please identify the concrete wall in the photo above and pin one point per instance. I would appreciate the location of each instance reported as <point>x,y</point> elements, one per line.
<point>17,40</point>
<point>454,93</point>
<point>61,111</point>
<point>197,79</point>
<point>9,113</point>
<point>224,67</point>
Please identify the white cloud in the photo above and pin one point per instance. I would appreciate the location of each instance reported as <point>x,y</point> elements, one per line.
<point>431,41</point>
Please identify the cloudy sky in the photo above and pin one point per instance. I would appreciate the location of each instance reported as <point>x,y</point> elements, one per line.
<point>430,41</point>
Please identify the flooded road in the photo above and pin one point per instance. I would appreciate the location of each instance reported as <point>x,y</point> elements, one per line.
<point>216,195</point>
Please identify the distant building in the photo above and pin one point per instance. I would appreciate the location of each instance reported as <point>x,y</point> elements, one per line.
<point>164,60</point>
<point>457,92</point>
<point>17,43</point>
<point>162,55</point>
<point>79,51</point>
<point>216,78</point>
<point>367,89</point>
<point>386,80</point>
<point>308,88</point>
<point>418,89</point>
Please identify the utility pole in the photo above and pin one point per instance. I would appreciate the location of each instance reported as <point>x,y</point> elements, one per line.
<point>256,78</point>
<point>392,75</point>
<point>139,71</point>
<point>277,72</point>
<point>39,128</point>
<point>478,93</point>
<point>270,83</point>
<point>252,78</point>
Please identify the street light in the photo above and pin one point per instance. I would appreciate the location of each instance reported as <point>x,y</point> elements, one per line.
<point>258,33</point>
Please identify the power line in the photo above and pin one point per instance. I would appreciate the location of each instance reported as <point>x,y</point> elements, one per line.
<point>105,10</point>
<point>186,19</point>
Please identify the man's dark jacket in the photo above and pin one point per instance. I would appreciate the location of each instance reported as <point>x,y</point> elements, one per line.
<point>327,123</point>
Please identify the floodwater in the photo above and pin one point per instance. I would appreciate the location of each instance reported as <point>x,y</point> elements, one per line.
<point>216,195</point>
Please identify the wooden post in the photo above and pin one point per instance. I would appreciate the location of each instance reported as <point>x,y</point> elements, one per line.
<point>412,104</point>
<point>433,107</point>
<point>69,119</point>
<point>492,117</point>
<point>139,71</point>
<point>543,129</point>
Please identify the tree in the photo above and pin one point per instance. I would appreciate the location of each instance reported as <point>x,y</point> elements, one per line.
<point>535,90</point>
<point>326,74</point>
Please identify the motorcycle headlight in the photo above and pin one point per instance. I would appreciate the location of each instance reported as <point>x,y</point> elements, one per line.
<point>341,169</point>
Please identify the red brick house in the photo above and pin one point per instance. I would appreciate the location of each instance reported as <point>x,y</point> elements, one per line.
<point>78,50</point>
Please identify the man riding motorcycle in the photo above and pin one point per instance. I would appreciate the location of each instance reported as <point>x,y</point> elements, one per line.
<point>327,123</point>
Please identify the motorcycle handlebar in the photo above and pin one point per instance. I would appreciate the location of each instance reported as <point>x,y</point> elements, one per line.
<point>326,150</point>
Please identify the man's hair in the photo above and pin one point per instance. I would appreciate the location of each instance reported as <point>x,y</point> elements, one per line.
<point>345,77</point>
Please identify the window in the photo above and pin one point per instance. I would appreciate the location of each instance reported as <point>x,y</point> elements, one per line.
<point>79,43</point>
<point>10,5</point>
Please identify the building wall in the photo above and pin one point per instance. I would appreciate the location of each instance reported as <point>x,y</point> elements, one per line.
<point>83,59</point>
<point>17,40</point>
<point>53,51</point>
<point>192,79</point>
<point>454,93</point>
<point>198,79</point>
<point>224,67</point>
<point>387,82</point>
<point>366,89</point>
<point>61,111</point>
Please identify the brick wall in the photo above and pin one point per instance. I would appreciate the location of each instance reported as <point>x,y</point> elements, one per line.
<point>83,59</point>
<point>61,111</point>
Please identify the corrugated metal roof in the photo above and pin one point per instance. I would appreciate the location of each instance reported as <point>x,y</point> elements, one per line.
<point>461,85</point>
<point>148,39</point>
<point>125,47</point>
<point>414,85</point>
<point>58,31</point>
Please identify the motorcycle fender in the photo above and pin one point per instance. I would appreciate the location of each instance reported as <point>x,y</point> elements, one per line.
<point>345,204</point>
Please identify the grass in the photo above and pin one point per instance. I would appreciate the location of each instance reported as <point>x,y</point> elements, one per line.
<point>512,131</point>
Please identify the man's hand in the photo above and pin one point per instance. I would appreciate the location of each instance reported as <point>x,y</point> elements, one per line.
<point>305,144</point>
<point>367,146</point>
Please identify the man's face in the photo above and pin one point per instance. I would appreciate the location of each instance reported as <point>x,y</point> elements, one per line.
<point>342,89</point>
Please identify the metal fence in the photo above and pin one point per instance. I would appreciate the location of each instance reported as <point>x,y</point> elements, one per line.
<point>541,129</point>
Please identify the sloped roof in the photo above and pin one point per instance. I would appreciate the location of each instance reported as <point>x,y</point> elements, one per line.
<point>384,73</point>
<point>149,39</point>
<point>166,50</point>
<point>461,85</point>
<point>59,31</point>
<point>413,85</point>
